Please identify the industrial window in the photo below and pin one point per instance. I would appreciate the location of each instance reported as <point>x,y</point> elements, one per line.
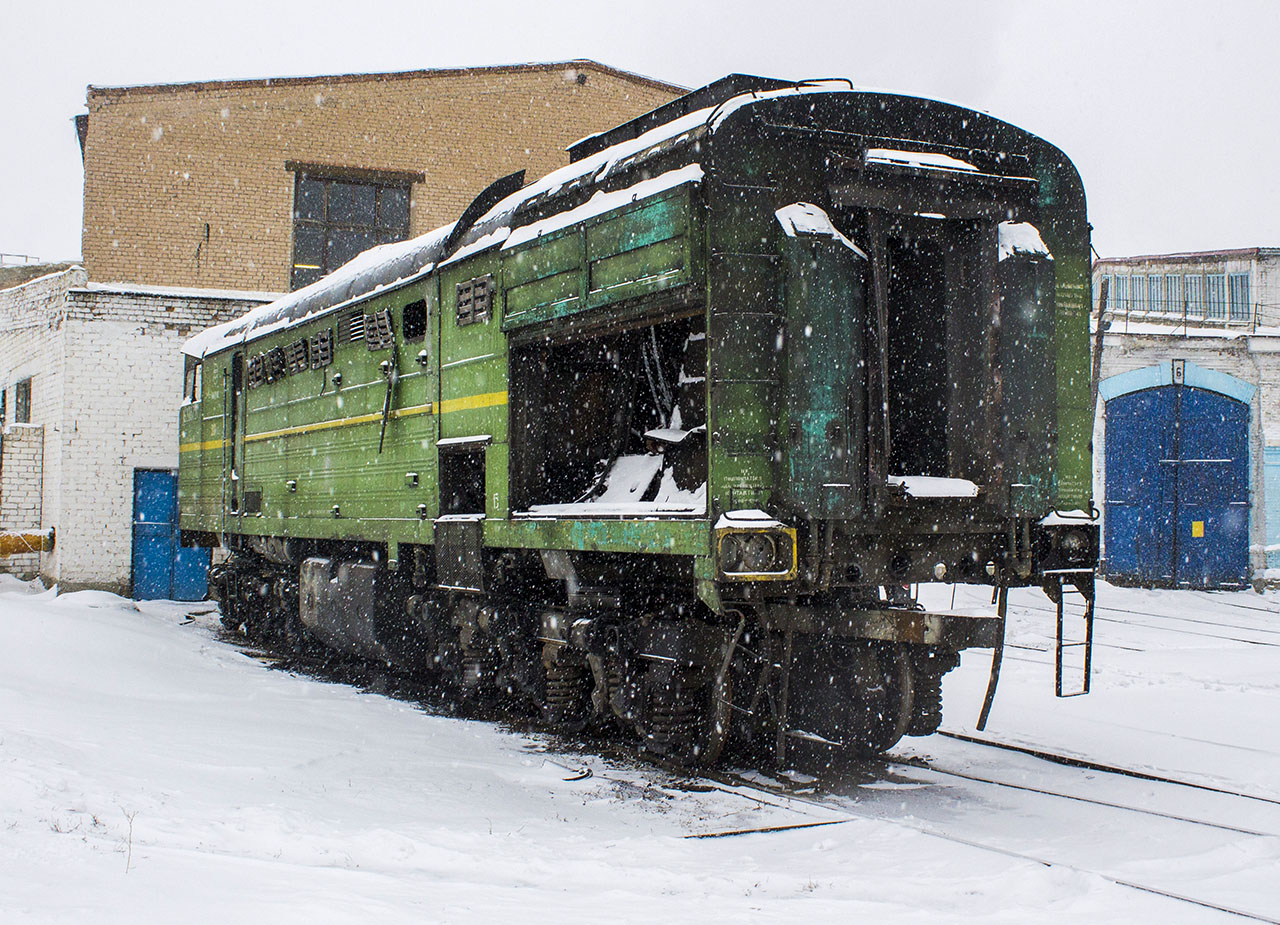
<point>1155,293</point>
<point>336,218</point>
<point>1173,293</point>
<point>1120,298</point>
<point>1138,293</point>
<point>1238,294</point>
<point>22,402</point>
<point>1194,296</point>
<point>1215,288</point>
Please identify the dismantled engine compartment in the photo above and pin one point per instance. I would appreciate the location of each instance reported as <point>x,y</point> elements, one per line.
<point>612,424</point>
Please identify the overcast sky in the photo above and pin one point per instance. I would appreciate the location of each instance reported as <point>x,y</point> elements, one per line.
<point>1171,110</point>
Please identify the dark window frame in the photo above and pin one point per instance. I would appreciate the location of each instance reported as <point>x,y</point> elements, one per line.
<point>193,381</point>
<point>413,321</point>
<point>319,233</point>
<point>22,401</point>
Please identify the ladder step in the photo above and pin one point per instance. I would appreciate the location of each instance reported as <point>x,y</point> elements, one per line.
<point>1061,644</point>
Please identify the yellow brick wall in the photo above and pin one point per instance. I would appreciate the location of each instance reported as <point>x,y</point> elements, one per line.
<point>162,162</point>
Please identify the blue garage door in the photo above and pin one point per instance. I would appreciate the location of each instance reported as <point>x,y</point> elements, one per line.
<point>161,567</point>
<point>1177,493</point>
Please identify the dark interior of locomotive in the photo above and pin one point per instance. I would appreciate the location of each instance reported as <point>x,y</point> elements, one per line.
<point>937,324</point>
<point>588,401</point>
<point>917,356</point>
<point>938,327</point>
<point>462,480</point>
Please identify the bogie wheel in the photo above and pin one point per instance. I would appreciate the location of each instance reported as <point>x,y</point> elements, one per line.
<point>848,699</point>
<point>889,719</point>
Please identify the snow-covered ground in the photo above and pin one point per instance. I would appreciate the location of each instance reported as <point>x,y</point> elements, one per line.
<point>150,771</point>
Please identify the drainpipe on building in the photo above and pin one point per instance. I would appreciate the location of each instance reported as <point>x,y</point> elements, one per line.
<point>1100,330</point>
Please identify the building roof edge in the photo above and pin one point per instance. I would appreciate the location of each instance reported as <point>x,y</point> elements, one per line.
<point>1194,255</point>
<point>240,83</point>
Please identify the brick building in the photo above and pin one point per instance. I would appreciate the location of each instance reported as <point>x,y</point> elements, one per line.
<point>91,397</point>
<point>1187,437</point>
<point>204,199</point>
<point>198,184</point>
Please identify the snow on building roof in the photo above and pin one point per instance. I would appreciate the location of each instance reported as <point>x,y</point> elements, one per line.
<point>1190,256</point>
<point>182,292</point>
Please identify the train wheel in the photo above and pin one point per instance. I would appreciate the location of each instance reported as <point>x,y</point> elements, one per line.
<point>889,702</point>
<point>847,698</point>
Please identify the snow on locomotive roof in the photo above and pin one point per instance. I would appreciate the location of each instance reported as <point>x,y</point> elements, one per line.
<point>806,218</point>
<point>393,264</point>
<point>377,268</point>
<point>1021,238</point>
<point>602,202</point>
<point>931,160</point>
<point>390,265</point>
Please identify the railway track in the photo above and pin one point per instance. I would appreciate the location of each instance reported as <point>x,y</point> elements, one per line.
<point>1101,609</point>
<point>1087,765</point>
<point>753,788</point>
<point>819,808</point>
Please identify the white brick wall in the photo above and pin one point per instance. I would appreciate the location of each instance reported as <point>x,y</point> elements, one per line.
<point>32,317</point>
<point>106,372</point>
<point>21,477</point>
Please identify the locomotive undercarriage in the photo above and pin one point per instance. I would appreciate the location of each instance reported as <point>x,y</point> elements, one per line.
<point>804,678</point>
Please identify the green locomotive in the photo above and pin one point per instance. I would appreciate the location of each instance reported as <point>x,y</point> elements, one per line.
<point>660,438</point>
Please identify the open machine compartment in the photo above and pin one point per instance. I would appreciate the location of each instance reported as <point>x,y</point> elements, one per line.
<point>939,348</point>
<point>937,399</point>
<point>611,421</point>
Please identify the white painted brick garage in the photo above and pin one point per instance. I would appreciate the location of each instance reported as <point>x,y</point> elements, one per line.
<point>105,366</point>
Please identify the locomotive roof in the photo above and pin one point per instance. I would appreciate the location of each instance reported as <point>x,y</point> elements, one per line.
<point>539,207</point>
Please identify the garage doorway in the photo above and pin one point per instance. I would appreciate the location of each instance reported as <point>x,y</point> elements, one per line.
<point>1177,486</point>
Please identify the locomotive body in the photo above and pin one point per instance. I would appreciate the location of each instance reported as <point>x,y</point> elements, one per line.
<point>660,438</point>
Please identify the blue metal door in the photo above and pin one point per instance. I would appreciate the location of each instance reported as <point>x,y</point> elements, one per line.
<point>162,568</point>
<point>1177,493</point>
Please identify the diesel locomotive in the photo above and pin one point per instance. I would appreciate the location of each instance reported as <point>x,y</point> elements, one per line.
<point>663,439</point>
